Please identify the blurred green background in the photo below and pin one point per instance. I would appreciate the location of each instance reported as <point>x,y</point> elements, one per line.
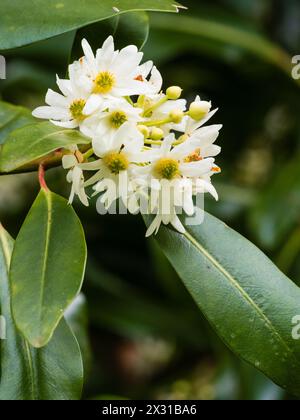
<point>141,334</point>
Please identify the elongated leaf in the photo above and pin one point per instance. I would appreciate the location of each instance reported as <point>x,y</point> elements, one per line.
<point>247,300</point>
<point>11,118</point>
<point>21,23</point>
<point>47,268</point>
<point>127,29</point>
<point>34,142</point>
<point>52,373</point>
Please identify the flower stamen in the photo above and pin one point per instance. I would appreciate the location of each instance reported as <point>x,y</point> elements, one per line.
<point>166,168</point>
<point>139,78</point>
<point>117,119</point>
<point>116,162</point>
<point>104,82</point>
<point>194,156</point>
<point>76,109</point>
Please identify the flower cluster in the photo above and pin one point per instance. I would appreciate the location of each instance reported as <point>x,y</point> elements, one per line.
<point>147,146</point>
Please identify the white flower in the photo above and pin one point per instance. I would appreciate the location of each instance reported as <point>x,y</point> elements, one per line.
<point>66,110</point>
<point>180,172</point>
<point>116,168</point>
<point>75,176</point>
<point>134,154</point>
<point>110,73</point>
<point>114,114</point>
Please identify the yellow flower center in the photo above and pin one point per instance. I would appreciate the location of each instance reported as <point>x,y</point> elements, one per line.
<point>117,119</point>
<point>116,162</point>
<point>104,82</point>
<point>76,109</point>
<point>166,168</point>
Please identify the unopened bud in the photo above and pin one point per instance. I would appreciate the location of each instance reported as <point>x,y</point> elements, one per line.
<point>156,133</point>
<point>176,116</point>
<point>144,130</point>
<point>174,92</point>
<point>199,110</point>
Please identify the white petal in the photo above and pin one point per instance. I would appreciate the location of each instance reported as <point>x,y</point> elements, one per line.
<point>205,186</point>
<point>55,99</point>
<point>196,169</point>
<point>91,166</point>
<point>64,86</point>
<point>176,223</point>
<point>66,124</point>
<point>144,69</point>
<point>167,144</point>
<point>49,112</point>
<point>154,226</point>
<point>212,151</point>
<point>127,61</point>
<point>156,80</point>
<point>88,52</point>
<point>68,161</point>
<point>92,104</point>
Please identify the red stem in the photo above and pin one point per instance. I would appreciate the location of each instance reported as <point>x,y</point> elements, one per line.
<point>42,180</point>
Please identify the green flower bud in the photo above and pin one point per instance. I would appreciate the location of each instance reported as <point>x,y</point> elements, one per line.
<point>144,130</point>
<point>174,92</point>
<point>199,110</point>
<point>176,116</point>
<point>156,134</point>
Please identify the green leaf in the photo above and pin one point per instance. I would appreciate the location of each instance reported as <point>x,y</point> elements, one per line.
<point>129,28</point>
<point>52,373</point>
<point>247,300</point>
<point>47,268</point>
<point>21,23</point>
<point>34,142</point>
<point>11,118</point>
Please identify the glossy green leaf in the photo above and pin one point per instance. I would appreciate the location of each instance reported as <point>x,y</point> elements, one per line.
<point>21,22</point>
<point>47,268</point>
<point>35,141</point>
<point>51,373</point>
<point>11,118</point>
<point>129,28</point>
<point>247,300</point>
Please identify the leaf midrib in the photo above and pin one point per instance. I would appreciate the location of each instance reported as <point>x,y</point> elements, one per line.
<point>236,285</point>
<point>34,387</point>
<point>46,253</point>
